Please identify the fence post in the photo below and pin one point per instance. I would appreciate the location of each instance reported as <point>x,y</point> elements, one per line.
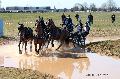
<point>1,27</point>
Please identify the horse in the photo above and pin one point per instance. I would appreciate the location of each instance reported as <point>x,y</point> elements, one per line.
<point>26,35</point>
<point>40,37</point>
<point>56,33</point>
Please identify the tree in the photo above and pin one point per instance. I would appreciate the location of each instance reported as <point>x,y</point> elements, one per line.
<point>75,8</point>
<point>85,5</point>
<point>78,7</point>
<point>93,7</point>
<point>104,7</point>
<point>65,9</point>
<point>111,5</point>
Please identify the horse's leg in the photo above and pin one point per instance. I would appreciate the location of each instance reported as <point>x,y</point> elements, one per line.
<point>35,43</point>
<point>60,45</point>
<point>30,45</point>
<point>40,45</point>
<point>52,42</point>
<point>26,47</point>
<point>48,43</point>
<point>20,52</point>
<point>22,45</point>
<point>36,49</point>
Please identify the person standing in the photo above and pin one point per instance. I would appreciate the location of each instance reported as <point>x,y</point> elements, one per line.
<point>90,19</point>
<point>77,17</point>
<point>113,18</point>
<point>63,18</point>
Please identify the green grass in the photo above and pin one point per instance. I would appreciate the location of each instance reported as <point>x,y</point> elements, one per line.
<point>102,22</point>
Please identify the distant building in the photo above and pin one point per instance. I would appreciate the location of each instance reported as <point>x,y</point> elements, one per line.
<point>28,9</point>
<point>2,9</point>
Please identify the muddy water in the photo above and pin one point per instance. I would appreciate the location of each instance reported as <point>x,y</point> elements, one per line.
<point>88,66</point>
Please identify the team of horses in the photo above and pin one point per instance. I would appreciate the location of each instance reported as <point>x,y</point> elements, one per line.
<point>46,34</point>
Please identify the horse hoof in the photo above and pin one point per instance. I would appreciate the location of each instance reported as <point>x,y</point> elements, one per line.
<point>30,50</point>
<point>56,49</point>
<point>37,53</point>
<point>20,52</point>
<point>52,45</point>
<point>26,52</point>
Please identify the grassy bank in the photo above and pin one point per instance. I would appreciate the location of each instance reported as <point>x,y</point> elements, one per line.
<point>109,48</point>
<point>15,73</point>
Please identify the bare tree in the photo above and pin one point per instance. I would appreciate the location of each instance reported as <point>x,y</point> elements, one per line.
<point>85,5</point>
<point>104,7</point>
<point>111,5</point>
<point>93,7</point>
<point>78,7</point>
<point>75,8</point>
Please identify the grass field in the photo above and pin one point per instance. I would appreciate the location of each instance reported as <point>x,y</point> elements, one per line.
<point>102,22</point>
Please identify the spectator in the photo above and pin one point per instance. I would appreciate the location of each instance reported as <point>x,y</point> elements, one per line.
<point>113,18</point>
<point>77,17</point>
<point>90,19</point>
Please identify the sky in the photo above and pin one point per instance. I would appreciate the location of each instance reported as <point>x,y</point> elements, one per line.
<point>57,3</point>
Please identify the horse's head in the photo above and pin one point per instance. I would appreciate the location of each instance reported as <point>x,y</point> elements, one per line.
<point>39,28</point>
<point>20,27</point>
<point>50,23</point>
<point>38,23</point>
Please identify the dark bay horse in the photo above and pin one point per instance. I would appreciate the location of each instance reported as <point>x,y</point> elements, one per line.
<point>61,35</point>
<point>39,38</point>
<point>26,35</point>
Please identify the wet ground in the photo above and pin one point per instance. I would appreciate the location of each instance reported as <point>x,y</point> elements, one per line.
<point>66,64</point>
